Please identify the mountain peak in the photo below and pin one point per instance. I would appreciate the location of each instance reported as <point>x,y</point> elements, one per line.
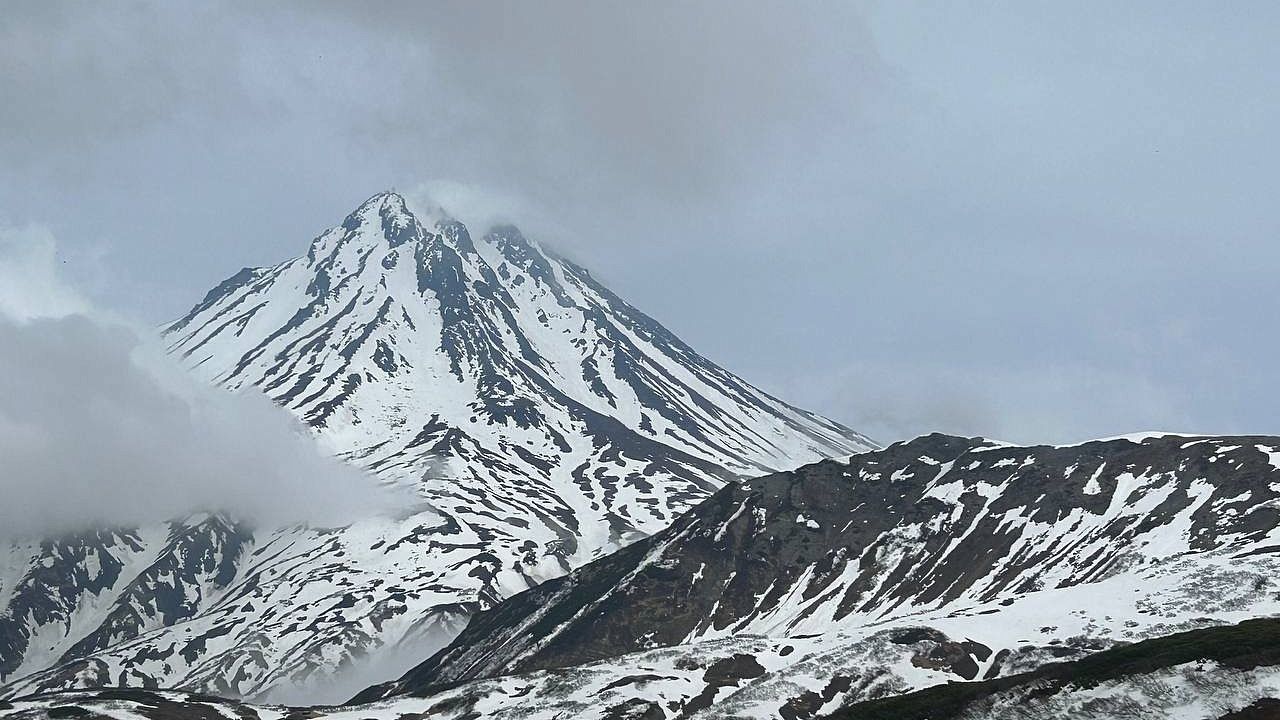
<point>384,204</point>
<point>390,299</point>
<point>384,216</point>
<point>385,200</point>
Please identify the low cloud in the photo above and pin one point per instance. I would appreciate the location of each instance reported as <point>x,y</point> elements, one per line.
<point>384,663</point>
<point>892,401</point>
<point>98,427</point>
<point>29,282</point>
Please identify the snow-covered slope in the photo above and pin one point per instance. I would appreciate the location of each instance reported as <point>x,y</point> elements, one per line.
<point>938,578</point>
<point>541,420</point>
<point>936,560</point>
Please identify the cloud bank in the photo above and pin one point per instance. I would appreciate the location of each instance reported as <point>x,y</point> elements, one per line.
<point>98,427</point>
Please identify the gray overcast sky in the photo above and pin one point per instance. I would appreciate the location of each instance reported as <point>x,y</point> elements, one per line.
<point>1033,221</point>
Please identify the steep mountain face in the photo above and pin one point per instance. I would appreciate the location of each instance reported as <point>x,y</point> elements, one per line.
<point>541,420</point>
<point>935,560</point>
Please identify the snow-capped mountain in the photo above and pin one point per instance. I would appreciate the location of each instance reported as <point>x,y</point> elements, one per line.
<point>541,421</point>
<point>500,374</point>
<point>937,560</point>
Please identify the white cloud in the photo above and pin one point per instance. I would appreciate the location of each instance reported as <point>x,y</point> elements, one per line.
<point>29,286</point>
<point>99,427</point>
<point>1062,403</point>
